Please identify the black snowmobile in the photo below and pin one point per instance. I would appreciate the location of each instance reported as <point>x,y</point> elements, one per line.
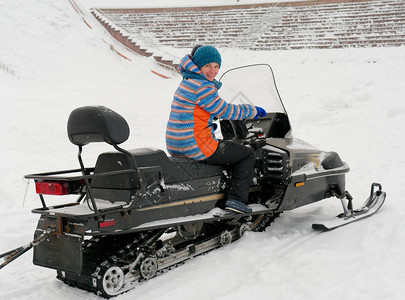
<point>139,212</point>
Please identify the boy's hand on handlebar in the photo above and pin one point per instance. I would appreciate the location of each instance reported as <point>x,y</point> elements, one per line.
<point>260,112</point>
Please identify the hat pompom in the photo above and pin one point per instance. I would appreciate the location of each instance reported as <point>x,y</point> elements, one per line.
<point>205,55</point>
<point>195,49</point>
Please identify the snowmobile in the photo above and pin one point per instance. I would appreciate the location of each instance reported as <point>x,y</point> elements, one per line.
<point>138,213</point>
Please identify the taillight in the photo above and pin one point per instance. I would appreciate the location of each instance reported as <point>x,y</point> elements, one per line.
<point>106,223</point>
<point>51,188</point>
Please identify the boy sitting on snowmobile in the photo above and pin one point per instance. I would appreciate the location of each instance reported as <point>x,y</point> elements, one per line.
<point>190,129</point>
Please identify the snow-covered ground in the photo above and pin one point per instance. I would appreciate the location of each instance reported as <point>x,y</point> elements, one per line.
<point>350,101</point>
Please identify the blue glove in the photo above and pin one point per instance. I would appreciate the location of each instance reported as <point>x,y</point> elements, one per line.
<point>260,112</point>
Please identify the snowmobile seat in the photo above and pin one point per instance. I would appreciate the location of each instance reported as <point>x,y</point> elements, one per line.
<point>90,124</point>
<point>173,169</point>
<point>189,169</point>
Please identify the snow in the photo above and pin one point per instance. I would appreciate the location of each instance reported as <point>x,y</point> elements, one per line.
<point>350,101</point>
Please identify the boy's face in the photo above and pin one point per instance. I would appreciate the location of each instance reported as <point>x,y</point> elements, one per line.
<point>210,70</point>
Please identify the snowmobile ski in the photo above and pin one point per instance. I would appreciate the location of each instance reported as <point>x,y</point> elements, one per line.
<point>370,207</point>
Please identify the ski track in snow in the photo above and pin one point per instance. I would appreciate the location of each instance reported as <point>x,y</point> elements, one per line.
<point>349,100</point>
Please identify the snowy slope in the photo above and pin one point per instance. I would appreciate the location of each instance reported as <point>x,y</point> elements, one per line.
<point>350,101</point>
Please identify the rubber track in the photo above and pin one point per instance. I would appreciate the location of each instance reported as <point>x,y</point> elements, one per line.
<point>101,253</point>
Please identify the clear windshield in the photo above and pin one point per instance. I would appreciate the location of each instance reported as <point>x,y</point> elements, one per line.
<point>253,84</point>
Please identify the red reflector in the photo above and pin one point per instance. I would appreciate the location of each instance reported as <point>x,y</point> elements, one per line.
<point>51,188</point>
<point>106,223</point>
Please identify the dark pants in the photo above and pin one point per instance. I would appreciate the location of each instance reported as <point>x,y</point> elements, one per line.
<point>241,159</point>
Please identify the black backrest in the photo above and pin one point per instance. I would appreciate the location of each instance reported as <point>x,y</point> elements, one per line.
<point>90,124</point>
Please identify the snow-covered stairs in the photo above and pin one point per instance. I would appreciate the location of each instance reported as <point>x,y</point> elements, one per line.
<point>271,26</point>
<point>337,25</point>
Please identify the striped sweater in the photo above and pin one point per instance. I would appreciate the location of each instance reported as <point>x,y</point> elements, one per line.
<point>196,103</point>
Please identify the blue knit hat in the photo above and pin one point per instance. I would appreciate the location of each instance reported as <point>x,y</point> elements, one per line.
<point>205,55</point>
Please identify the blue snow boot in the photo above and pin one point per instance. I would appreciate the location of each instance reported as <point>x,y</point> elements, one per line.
<point>239,207</point>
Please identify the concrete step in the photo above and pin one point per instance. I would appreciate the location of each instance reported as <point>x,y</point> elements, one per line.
<point>265,26</point>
